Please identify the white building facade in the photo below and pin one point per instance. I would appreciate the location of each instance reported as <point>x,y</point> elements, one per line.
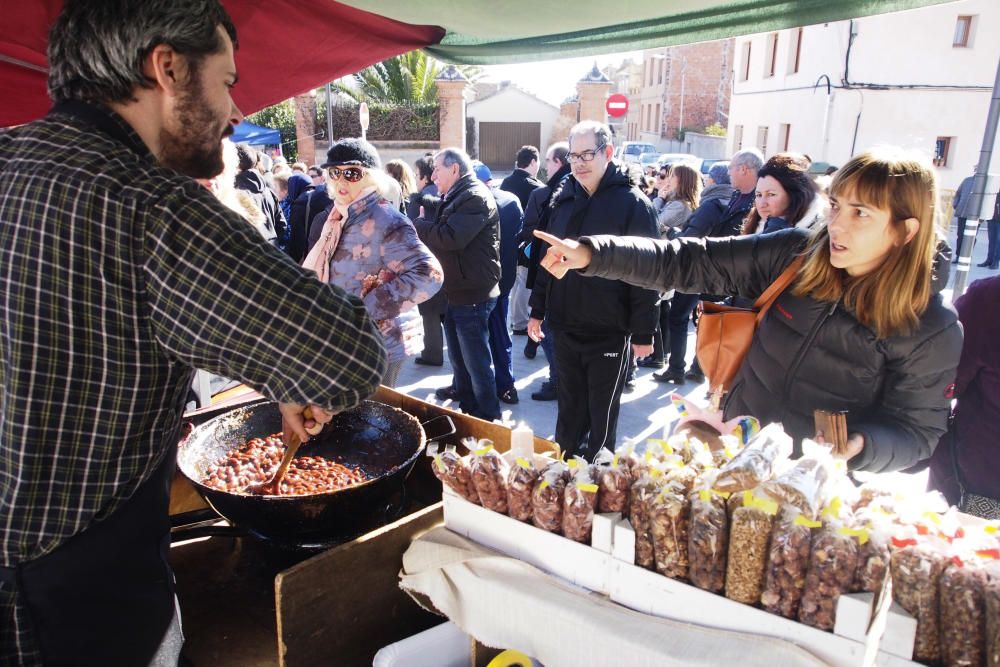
<point>920,79</point>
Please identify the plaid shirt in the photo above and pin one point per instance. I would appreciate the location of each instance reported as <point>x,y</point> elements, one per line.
<point>119,276</point>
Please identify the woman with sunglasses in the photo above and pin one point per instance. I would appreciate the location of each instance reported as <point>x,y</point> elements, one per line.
<point>371,250</point>
<point>862,328</point>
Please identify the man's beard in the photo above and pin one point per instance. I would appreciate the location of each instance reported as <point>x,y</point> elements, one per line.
<point>195,150</point>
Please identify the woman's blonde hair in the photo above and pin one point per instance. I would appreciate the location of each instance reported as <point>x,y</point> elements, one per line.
<point>688,184</point>
<point>891,298</point>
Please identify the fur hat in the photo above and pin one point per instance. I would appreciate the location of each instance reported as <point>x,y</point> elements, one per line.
<point>352,152</point>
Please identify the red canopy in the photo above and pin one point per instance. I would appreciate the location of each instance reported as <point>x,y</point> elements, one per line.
<point>286,48</point>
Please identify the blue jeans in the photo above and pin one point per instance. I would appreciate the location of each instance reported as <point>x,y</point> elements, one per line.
<point>466,328</point>
<point>993,238</point>
<point>501,344</point>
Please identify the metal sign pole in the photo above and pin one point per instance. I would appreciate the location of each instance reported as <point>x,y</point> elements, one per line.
<point>979,205</point>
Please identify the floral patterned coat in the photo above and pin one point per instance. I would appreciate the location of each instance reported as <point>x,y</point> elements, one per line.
<point>380,259</point>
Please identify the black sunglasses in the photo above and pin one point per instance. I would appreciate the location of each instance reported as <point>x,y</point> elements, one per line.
<point>351,174</point>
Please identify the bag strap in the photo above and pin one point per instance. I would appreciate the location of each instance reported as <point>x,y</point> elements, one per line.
<point>781,283</point>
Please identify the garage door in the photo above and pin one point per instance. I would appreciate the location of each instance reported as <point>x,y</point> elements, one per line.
<point>499,142</point>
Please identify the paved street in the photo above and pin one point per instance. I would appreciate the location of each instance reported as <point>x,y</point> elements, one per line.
<point>644,413</point>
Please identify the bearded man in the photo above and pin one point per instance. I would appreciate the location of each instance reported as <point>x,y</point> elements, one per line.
<point>119,276</point>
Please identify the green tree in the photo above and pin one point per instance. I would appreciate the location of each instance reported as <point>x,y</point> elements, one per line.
<point>404,79</point>
<point>281,117</point>
<point>715,130</point>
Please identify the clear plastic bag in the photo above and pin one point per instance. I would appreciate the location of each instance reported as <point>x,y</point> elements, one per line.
<point>547,498</point>
<point>614,481</point>
<point>708,535</point>
<point>453,470</point>
<point>755,463</point>
<point>521,482</point>
<point>962,589</point>
<point>669,516</point>
<point>916,571</point>
<point>579,503</point>
<point>804,484</point>
<point>489,476</point>
<point>832,563</point>
<point>788,562</point>
<point>991,594</point>
<point>641,495</point>
<point>873,554</point>
<point>749,534</point>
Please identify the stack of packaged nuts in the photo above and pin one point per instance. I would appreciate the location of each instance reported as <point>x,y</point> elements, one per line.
<point>789,536</point>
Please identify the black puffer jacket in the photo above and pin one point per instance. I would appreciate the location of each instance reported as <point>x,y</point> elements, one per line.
<point>810,354</point>
<point>597,307</point>
<point>465,237</point>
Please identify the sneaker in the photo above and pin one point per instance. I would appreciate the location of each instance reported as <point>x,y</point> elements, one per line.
<point>530,349</point>
<point>673,377</point>
<point>520,332</point>
<point>546,393</point>
<point>446,393</point>
<point>509,396</point>
<point>695,376</point>
<point>649,363</point>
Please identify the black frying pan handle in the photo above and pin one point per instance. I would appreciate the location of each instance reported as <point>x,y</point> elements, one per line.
<point>451,427</point>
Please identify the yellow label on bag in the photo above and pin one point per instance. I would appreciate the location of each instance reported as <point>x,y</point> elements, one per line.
<point>833,509</point>
<point>572,464</point>
<point>706,495</point>
<point>747,498</point>
<point>801,520</point>
<point>484,450</point>
<point>615,459</point>
<point>990,528</point>
<point>438,462</point>
<point>860,533</point>
<point>523,462</point>
<point>728,452</point>
<point>933,517</point>
<point>584,486</point>
<point>544,484</point>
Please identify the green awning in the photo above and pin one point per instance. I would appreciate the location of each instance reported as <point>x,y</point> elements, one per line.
<point>480,33</point>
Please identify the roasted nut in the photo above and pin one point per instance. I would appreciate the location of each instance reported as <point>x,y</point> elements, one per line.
<point>489,476</point>
<point>669,515</point>
<point>520,483</point>
<point>547,499</point>
<point>641,495</point>
<point>453,470</point>
<point>787,564</point>
<point>916,570</point>
<point>708,540</point>
<point>614,483</point>
<point>963,615</point>
<point>992,596</point>
<point>832,564</point>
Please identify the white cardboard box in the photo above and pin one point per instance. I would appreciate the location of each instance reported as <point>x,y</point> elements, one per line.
<point>643,590</point>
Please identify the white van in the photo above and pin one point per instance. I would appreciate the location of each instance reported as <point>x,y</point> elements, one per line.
<point>629,151</point>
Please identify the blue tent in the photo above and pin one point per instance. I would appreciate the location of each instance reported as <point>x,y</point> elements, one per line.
<point>255,135</point>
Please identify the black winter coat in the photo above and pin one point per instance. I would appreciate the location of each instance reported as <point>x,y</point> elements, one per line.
<point>465,237</point>
<point>521,185</point>
<point>536,217</point>
<point>305,208</point>
<point>268,202</point>
<point>597,307</point>
<point>810,354</point>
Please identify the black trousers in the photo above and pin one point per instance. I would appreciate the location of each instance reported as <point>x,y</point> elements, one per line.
<point>432,312</point>
<point>661,337</point>
<point>106,596</point>
<point>592,372</point>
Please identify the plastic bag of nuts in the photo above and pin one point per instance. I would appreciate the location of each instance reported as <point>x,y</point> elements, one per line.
<point>708,535</point>
<point>787,562</point>
<point>614,480</point>
<point>804,484</point>
<point>547,497</point>
<point>641,495</point>
<point>453,470</point>
<point>489,476</point>
<point>992,598</point>
<point>963,613</point>
<point>874,554</point>
<point>669,515</point>
<point>749,534</point>
<point>755,462</point>
<point>520,483</point>
<point>579,502</point>
<point>833,561</point>
<point>916,567</point>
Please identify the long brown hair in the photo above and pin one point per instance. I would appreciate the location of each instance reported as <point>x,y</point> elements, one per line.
<point>688,185</point>
<point>891,298</point>
<point>791,170</point>
<point>404,175</point>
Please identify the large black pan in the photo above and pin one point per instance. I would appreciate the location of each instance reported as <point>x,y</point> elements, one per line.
<point>382,441</point>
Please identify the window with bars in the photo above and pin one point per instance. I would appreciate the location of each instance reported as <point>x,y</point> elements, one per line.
<point>795,51</point>
<point>942,151</point>
<point>762,139</point>
<point>745,62</point>
<point>771,55</point>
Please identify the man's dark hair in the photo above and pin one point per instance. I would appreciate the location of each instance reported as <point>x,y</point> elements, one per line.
<point>559,151</point>
<point>96,49</point>
<point>525,156</point>
<point>248,156</point>
<point>425,167</point>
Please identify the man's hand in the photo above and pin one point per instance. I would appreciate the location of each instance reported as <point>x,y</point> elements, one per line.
<point>642,351</point>
<point>563,255</point>
<point>303,420</point>
<point>535,330</point>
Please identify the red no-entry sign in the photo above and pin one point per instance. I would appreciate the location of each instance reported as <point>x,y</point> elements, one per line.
<point>617,105</point>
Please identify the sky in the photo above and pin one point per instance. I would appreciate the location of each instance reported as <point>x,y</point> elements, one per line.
<point>553,80</point>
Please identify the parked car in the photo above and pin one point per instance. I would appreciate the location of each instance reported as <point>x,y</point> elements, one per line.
<point>668,159</point>
<point>629,151</point>
<point>647,160</point>
<point>707,164</point>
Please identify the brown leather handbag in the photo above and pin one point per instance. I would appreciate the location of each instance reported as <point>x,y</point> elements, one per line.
<point>725,332</point>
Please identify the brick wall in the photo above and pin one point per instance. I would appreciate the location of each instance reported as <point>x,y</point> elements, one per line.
<point>706,70</point>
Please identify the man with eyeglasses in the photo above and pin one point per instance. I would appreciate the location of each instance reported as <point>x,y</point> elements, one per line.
<point>464,234</point>
<point>595,324</point>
